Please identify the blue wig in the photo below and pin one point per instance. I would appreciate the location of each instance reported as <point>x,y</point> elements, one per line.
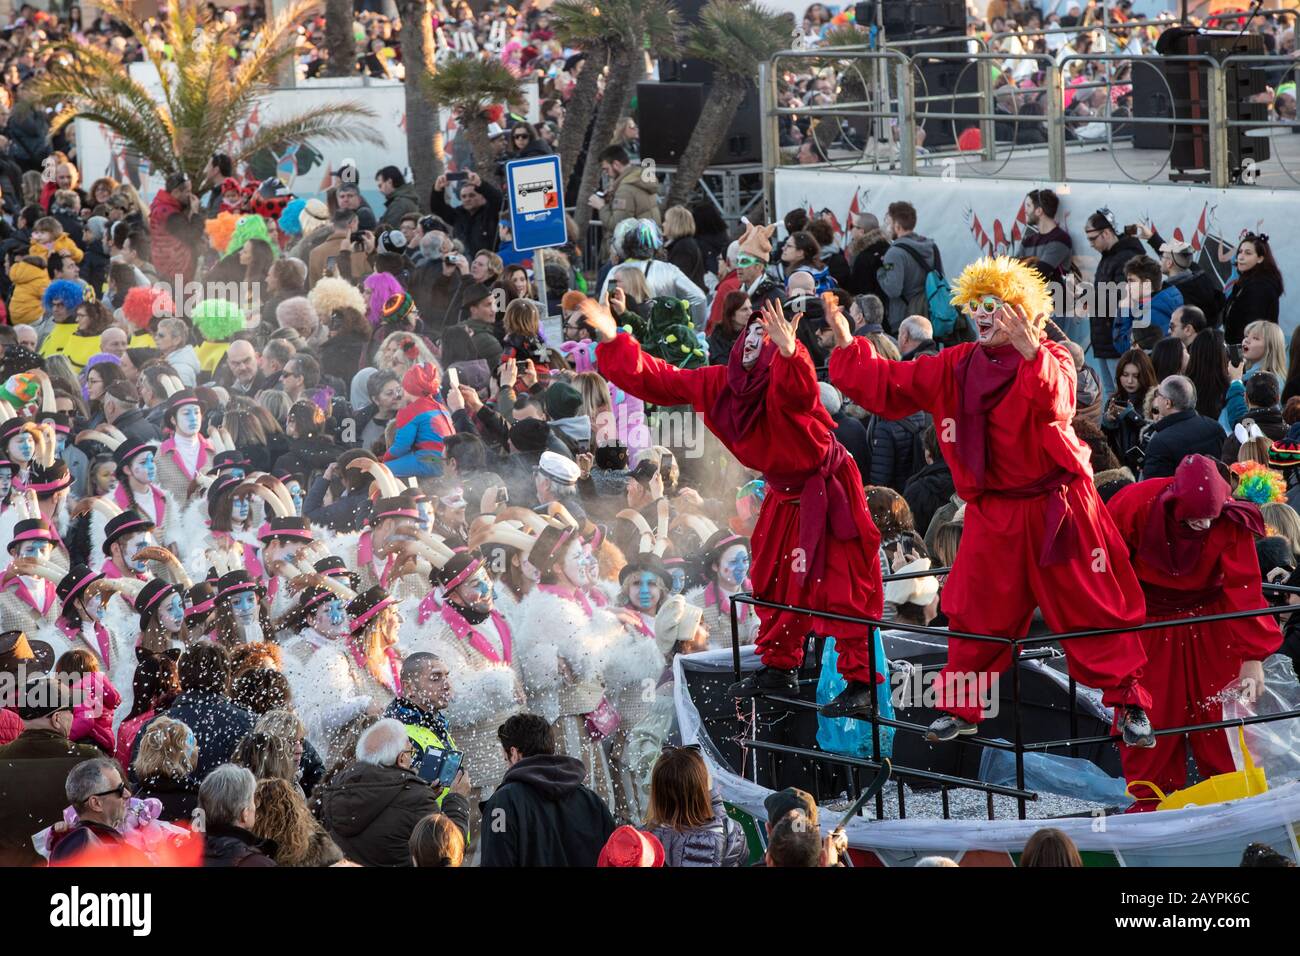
<point>289,218</point>
<point>70,294</point>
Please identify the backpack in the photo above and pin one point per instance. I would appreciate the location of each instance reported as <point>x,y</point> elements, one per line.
<point>934,301</point>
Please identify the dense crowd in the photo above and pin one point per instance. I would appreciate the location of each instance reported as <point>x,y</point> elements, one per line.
<point>347,558</point>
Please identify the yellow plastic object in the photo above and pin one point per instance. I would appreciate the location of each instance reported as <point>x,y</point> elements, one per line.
<point>1217,789</point>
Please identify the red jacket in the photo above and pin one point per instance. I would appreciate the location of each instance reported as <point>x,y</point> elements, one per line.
<point>171,256</point>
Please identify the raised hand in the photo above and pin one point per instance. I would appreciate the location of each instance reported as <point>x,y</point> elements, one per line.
<point>598,320</point>
<point>1021,331</point>
<point>839,322</point>
<point>780,330</point>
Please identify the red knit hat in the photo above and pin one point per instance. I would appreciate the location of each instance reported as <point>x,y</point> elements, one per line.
<point>630,847</point>
<point>423,380</point>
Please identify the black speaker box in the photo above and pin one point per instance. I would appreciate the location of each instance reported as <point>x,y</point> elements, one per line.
<point>957,83</point>
<point>668,113</point>
<point>915,19</point>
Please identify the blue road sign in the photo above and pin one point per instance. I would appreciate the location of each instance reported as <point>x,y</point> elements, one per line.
<point>536,193</point>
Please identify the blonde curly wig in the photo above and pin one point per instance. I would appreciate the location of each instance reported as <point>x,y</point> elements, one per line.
<point>333,293</point>
<point>1010,280</point>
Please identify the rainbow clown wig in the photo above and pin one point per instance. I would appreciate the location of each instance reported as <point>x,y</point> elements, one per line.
<point>1257,483</point>
<point>1010,280</point>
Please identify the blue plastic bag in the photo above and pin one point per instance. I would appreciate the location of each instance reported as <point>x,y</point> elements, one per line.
<point>848,735</point>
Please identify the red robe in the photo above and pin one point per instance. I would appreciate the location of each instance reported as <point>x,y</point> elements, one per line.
<point>1188,666</point>
<point>1000,575</point>
<point>789,439</point>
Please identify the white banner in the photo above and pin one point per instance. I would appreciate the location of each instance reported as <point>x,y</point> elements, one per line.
<point>970,217</point>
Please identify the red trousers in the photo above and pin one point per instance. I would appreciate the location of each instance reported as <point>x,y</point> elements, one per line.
<point>998,579</point>
<point>1193,669</point>
<point>850,585</point>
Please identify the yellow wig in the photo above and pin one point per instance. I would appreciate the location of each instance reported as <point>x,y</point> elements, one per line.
<point>1010,280</point>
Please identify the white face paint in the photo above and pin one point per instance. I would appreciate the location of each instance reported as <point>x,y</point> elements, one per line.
<point>134,545</point>
<point>189,418</point>
<point>21,448</point>
<point>295,492</point>
<point>239,509</point>
<point>6,481</point>
<point>330,618</point>
<point>172,613</point>
<point>143,468</point>
<point>574,565</point>
<point>244,606</point>
<point>753,345</point>
<point>1199,524</point>
<point>35,549</point>
<point>733,568</point>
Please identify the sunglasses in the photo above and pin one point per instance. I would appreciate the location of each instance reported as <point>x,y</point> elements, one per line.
<point>118,791</point>
<point>988,304</point>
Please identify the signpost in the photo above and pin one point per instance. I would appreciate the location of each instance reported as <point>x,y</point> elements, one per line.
<point>535,188</point>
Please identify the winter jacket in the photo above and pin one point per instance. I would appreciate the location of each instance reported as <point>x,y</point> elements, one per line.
<point>89,836</point>
<point>419,441</point>
<point>901,277</point>
<point>477,230</point>
<point>929,490</point>
<point>1109,276</point>
<point>1251,299</point>
<point>863,271</point>
<point>685,254</point>
<point>30,282</point>
<point>402,200</point>
<point>1052,250</point>
<point>1234,401</point>
<point>308,456</point>
<point>33,771</point>
<point>172,253</point>
<point>548,817</point>
<point>1146,327</point>
<point>632,197</point>
<point>1176,436</point>
<point>1270,423</point>
<point>720,843</point>
<point>666,279</point>
<point>370,812</point>
<point>178,797</point>
<point>235,846</point>
<point>185,360</point>
<point>1200,290</point>
<point>893,450</point>
<point>217,722</point>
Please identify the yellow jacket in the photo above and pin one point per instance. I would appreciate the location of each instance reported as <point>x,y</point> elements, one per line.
<point>210,355</point>
<point>64,340</point>
<point>63,245</point>
<point>30,282</point>
<point>142,340</point>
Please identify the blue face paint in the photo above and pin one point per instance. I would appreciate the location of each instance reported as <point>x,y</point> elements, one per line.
<point>173,612</point>
<point>235,472</point>
<point>144,468</point>
<point>337,613</point>
<point>736,568</point>
<point>648,591</point>
<point>295,492</point>
<point>244,604</point>
<point>679,580</point>
<point>189,418</point>
<point>133,547</point>
<point>6,482</point>
<point>239,509</point>
<point>60,443</point>
<point>33,549</point>
<point>22,447</point>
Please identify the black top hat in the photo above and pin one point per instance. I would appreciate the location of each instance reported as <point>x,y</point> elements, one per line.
<point>31,529</point>
<point>126,452</point>
<point>336,567</point>
<point>129,522</point>
<point>62,421</point>
<point>186,396</point>
<point>218,489</point>
<point>458,569</point>
<point>289,528</point>
<point>230,459</point>
<point>236,582</point>
<point>74,584</point>
<point>398,506</point>
<point>151,597</point>
<point>13,426</point>
<point>199,600</point>
<point>645,562</point>
<point>366,605</point>
<point>17,650</point>
<point>47,480</point>
<point>718,542</point>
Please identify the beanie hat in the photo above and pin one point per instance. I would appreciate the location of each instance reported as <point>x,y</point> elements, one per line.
<point>249,227</point>
<point>143,302</point>
<point>65,292</point>
<point>397,307</point>
<point>290,221</point>
<point>423,380</point>
<point>562,400</point>
<point>217,319</point>
<point>530,435</point>
<point>21,389</point>
<point>381,287</point>
<point>629,847</point>
<point>832,401</point>
<point>676,621</point>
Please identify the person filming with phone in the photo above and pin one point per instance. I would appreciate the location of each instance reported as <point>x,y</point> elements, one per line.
<point>474,221</point>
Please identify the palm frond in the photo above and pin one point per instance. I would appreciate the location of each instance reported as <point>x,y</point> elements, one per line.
<point>736,36</point>
<point>579,23</point>
<point>471,85</point>
<point>336,123</point>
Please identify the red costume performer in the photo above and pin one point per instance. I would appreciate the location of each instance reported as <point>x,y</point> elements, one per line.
<point>814,545</point>
<point>1036,533</point>
<point>1193,549</point>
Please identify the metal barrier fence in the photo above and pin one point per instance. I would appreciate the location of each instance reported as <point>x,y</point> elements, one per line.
<point>1019,746</point>
<point>878,119</point>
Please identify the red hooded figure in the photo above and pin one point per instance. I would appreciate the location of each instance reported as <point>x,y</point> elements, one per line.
<point>814,544</point>
<point>1036,533</point>
<point>1193,548</point>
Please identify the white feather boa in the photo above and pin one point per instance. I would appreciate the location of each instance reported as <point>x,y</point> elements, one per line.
<point>632,659</point>
<point>550,627</point>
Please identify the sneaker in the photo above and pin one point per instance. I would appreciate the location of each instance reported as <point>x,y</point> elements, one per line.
<point>856,700</point>
<point>766,681</point>
<point>949,727</point>
<point>1135,726</point>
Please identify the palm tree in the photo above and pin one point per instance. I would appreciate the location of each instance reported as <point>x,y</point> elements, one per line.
<point>468,86</point>
<point>207,95</point>
<point>580,25</point>
<point>735,36</point>
<point>424,145</point>
<point>339,39</point>
<point>652,24</point>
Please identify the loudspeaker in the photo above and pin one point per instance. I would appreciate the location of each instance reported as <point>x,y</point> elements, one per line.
<point>958,84</point>
<point>1152,97</point>
<point>914,19</point>
<point>668,112</point>
<point>1188,91</point>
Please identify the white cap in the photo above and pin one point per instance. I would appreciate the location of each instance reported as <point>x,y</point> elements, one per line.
<point>495,130</point>
<point>558,468</point>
